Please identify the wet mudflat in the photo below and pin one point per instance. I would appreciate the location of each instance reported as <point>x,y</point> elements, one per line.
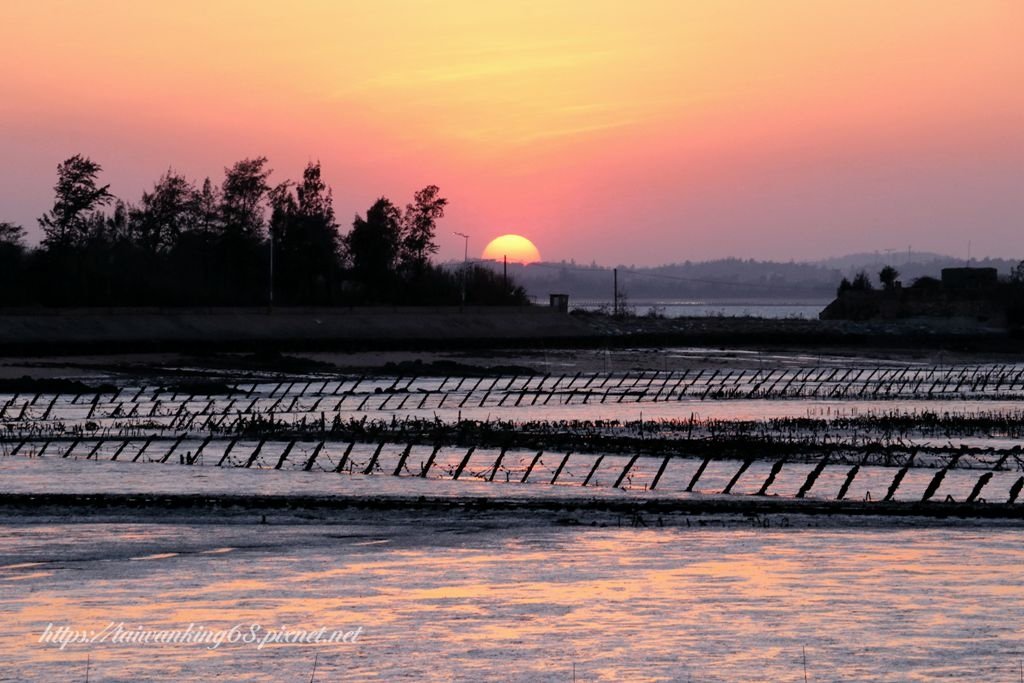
<point>560,584</point>
<point>506,601</point>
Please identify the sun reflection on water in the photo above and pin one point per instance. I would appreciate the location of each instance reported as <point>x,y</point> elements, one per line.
<point>528,604</point>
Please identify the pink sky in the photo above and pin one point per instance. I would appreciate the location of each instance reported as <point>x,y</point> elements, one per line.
<point>638,133</point>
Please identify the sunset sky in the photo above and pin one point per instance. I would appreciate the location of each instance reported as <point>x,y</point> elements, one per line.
<point>622,132</point>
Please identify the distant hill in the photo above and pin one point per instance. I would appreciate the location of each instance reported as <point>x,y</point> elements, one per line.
<point>734,279</point>
<point>893,256</point>
<point>727,279</point>
<point>920,264</point>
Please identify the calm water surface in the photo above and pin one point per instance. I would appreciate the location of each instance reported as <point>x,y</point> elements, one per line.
<point>488,602</point>
<point>675,308</point>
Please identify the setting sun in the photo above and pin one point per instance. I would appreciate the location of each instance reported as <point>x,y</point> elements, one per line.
<point>516,248</point>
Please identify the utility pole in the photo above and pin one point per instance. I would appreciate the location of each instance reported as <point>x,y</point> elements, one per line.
<point>270,296</point>
<point>615,291</point>
<point>505,273</point>
<point>465,263</point>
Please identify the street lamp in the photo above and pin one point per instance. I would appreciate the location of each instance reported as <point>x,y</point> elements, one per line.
<point>465,263</point>
<point>270,297</point>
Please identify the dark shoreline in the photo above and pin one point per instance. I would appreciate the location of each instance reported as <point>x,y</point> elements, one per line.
<point>34,332</point>
<point>159,506</point>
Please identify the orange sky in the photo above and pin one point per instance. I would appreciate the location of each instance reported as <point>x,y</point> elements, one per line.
<point>638,132</point>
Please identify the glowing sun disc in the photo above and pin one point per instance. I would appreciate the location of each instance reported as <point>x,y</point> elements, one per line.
<point>516,248</point>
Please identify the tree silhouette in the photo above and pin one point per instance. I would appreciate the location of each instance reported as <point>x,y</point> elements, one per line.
<point>12,261</point>
<point>305,237</point>
<point>171,209</point>
<point>208,245</point>
<point>373,246</point>
<point>861,282</point>
<point>242,194</point>
<point>315,198</point>
<point>238,249</point>
<point>207,206</point>
<point>887,276</point>
<point>12,236</point>
<point>308,237</point>
<point>419,224</point>
<point>77,197</point>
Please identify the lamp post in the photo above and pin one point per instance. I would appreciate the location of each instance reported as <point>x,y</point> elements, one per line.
<point>615,292</point>
<point>270,294</point>
<point>465,263</point>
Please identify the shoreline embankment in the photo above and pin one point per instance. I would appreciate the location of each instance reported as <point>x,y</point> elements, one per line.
<point>132,330</point>
<point>561,510</point>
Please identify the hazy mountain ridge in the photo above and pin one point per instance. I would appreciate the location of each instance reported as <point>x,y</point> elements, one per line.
<point>731,278</point>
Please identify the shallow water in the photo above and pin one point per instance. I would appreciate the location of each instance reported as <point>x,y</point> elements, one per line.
<point>705,309</point>
<point>503,597</point>
<point>486,603</point>
<point>553,474</point>
<point>722,393</point>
